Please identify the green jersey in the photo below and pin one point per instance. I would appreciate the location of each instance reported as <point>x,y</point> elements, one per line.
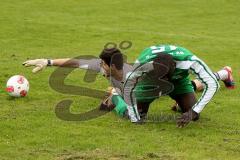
<point>179,55</point>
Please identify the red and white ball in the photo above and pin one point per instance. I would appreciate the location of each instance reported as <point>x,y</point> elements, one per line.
<point>17,86</point>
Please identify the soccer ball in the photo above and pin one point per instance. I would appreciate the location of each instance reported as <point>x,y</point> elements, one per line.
<point>17,86</point>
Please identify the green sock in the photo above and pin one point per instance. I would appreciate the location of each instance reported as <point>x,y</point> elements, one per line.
<point>120,104</point>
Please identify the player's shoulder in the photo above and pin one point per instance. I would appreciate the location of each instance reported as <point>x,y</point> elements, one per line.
<point>162,48</point>
<point>127,67</point>
<point>179,53</point>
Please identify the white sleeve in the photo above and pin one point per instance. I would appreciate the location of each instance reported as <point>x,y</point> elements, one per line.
<point>207,77</point>
<point>129,86</point>
<point>91,64</point>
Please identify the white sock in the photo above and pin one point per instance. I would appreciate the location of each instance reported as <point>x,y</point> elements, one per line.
<point>222,74</point>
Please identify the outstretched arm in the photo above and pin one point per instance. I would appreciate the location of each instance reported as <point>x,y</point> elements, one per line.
<point>66,62</point>
<point>40,64</point>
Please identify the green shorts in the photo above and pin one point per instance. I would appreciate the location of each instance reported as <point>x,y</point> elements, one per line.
<point>182,86</point>
<point>145,90</point>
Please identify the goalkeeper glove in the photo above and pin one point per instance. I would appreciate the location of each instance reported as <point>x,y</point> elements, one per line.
<point>39,64</point>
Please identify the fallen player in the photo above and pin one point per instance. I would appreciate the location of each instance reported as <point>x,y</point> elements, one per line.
<point>112,67</point>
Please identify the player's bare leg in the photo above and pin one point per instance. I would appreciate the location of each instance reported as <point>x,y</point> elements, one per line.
<point>185,101</point>
<point>197,85</point>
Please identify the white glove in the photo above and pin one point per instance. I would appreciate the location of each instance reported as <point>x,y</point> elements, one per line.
<point>39,64</point>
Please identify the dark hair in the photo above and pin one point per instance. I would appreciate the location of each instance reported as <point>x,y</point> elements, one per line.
<point>112,56</point>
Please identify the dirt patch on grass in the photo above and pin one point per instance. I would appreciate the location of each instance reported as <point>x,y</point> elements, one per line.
<point>99,154</point>
<point>96,154</point>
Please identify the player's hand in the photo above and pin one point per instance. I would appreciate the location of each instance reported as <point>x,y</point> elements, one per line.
<point>107,104</point>
<point>186,117</point>
<point>106,107</point>
<point>39,64</point>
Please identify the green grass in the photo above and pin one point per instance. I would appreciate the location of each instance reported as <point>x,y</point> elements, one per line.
<point>29,128</point>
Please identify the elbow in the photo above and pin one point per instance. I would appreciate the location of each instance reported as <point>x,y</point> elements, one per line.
<point>218,86</point>
<point>214,85</point>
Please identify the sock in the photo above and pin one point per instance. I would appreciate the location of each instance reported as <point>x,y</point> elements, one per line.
<point>120,104</point>
<point>221,75</point>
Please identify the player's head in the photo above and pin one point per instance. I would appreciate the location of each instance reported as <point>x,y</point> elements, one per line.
<point>112,60</point>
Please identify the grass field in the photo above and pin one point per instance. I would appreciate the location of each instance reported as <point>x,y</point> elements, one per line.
<point>29,128</point>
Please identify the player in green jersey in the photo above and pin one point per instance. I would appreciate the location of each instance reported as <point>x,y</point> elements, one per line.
<point>172,64</point>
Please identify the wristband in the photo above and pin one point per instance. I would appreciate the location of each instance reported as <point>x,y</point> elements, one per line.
<point>49,62</point>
